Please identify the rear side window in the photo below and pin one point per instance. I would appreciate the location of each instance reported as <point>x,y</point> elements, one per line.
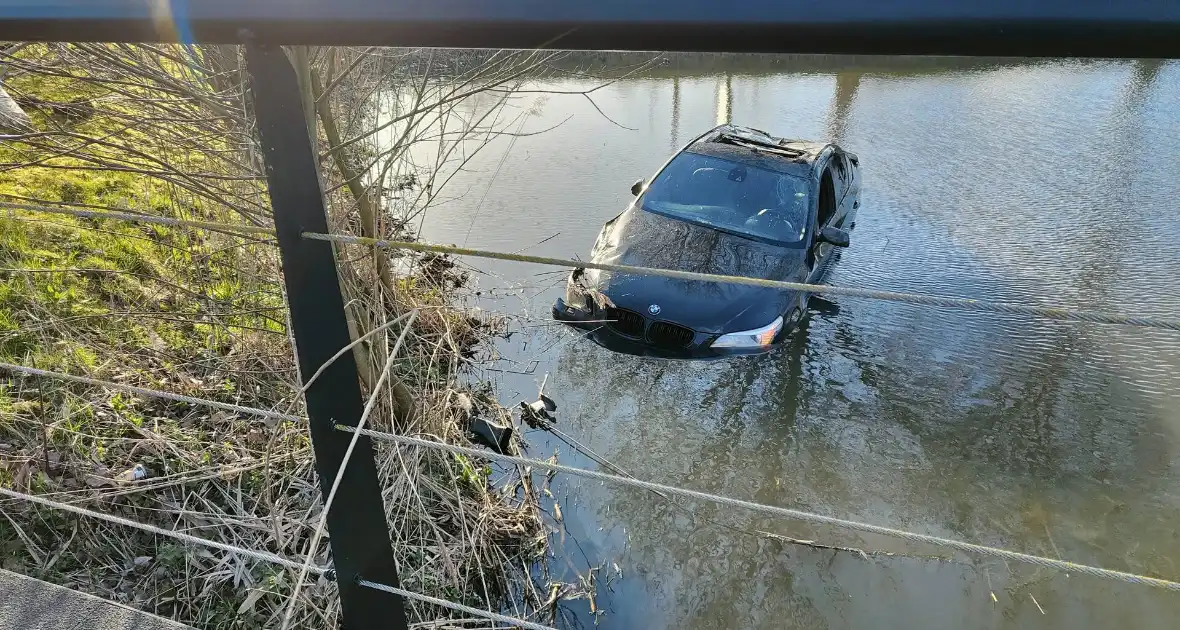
<point>843,171</point>
<point>841,166</point>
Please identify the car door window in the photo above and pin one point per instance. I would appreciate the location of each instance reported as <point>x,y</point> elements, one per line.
<point>827,198</point>
<point>843,172</point>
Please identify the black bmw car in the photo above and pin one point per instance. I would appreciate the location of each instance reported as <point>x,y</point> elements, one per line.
<point>735,201</point>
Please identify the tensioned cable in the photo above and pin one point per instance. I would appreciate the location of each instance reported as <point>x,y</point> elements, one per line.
<point>1050,312</point>
<point>196,540</point>
<point>258,555</point>
<point>455,606</point>
<point>1061,565</point>
<point>139,218</point>
<point>192,400</point>
<point>301,566</point>
<point>141,391</point>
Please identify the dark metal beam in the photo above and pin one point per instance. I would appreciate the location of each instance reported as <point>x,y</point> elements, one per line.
<point>356,522</point>
<point>1078,28</point>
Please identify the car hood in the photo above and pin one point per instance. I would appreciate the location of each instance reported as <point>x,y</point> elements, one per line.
<point>645,239</point>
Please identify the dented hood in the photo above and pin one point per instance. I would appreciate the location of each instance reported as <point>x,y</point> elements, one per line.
<point>646,239</point>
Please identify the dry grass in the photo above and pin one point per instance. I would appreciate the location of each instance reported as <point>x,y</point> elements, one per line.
<point>461,529</point>
<point>202,313</point>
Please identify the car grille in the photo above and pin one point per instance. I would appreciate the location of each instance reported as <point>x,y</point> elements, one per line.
<point>625,322</point>
<point>668,335</point>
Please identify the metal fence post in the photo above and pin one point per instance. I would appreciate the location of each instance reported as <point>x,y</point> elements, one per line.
<point>356,523</point>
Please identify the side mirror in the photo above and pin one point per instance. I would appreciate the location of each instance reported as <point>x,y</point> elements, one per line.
<point>637,187</point>
<point>835,236</point>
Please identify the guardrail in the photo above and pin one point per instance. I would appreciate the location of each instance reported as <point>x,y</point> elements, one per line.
<point>363,563</point>
<point>1077,28</point>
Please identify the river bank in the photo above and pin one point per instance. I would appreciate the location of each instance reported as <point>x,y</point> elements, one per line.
<point>201,312</point>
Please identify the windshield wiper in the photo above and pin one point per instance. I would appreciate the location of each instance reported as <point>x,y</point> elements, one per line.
<point>759,146</point>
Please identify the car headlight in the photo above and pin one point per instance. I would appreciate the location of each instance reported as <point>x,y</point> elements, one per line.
<point>576,296</point>
<point>757,338</point>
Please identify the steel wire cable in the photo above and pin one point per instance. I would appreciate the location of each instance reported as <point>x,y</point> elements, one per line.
<point>773,510</point>
<point>154,393</point>
<point>1049,312</point>
<point>260,555</point>
<point>139,218</point>
<point>781,512</point>
<point>486,614</point>
<point>1060,313</point>
<point>189,538</point>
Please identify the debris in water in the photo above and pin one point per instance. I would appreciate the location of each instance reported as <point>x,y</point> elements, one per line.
<point>1037,603</point>
<point>551,473</point>
<point>538,414</point>
<point>491,434</point>
<point>494,436</point>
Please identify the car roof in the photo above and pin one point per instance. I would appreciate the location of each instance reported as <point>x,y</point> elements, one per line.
<point>758,148</point>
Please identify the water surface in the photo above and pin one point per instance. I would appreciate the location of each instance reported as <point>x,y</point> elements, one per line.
<point>1046,182</point>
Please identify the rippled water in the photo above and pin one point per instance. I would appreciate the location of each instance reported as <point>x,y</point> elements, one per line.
<point>1046,182</point>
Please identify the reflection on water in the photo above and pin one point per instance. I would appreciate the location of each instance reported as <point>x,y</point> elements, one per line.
<point>675,134</point>
<point>847,84</point>
<point>1044,182</point>
<point>724,105</point>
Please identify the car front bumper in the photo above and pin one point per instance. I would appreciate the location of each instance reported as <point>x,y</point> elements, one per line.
<point>599,331</point>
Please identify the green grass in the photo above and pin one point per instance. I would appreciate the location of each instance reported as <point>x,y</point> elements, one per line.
<point>172,308</point>
<point>201,313</point>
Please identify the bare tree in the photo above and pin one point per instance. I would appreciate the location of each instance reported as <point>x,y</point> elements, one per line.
<point>169,130</point>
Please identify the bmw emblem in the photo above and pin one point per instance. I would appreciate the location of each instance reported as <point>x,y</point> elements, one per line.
<point>654,309</point>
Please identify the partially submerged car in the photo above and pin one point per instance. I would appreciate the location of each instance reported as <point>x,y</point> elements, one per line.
<point>735,201</point>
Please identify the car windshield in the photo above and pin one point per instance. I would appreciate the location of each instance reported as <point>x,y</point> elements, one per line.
<point>730,196</point>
